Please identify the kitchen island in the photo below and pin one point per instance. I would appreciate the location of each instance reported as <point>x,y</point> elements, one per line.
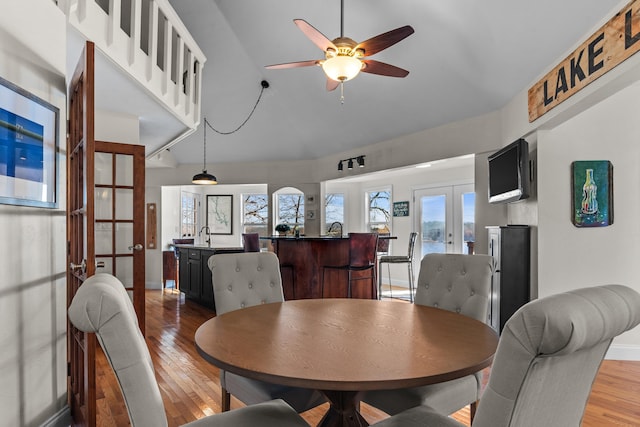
<point>194,273</point>
<point>301,265</point>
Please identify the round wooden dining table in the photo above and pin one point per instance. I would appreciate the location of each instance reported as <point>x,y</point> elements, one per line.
<point>345,346</point>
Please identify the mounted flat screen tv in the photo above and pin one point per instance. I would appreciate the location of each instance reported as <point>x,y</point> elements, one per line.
<point>509,173</point>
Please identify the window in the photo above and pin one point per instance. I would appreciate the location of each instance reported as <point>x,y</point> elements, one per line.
<point>189,214</point>
<point>290,208</point>
<point>333,210</point>
<point>379,211</point>
<point>255,215</point>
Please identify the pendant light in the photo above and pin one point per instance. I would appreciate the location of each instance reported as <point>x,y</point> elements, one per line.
<point>204,178</point>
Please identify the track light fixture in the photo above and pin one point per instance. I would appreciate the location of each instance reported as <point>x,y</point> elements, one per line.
<point>358,159</point>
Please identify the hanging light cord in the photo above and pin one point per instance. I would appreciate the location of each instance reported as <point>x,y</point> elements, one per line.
<point>204,160</point>
<point>264,85</point>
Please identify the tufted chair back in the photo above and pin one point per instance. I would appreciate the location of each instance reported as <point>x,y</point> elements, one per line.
<point>549,354</point>
<point>102,305</point>
<point>456,282</point>
<point>245,279</point>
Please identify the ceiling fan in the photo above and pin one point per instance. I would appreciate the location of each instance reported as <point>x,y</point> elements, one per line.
<point>343,56</point>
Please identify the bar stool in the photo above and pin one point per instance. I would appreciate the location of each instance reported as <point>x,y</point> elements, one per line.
<point>383,244</point>
<point>398,259</point>
<point>362,257</point>
<point>251,242</point>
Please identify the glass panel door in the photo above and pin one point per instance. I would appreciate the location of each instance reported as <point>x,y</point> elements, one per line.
<point>445,219</point>
<point>119,220</point>
<point>435,221</point>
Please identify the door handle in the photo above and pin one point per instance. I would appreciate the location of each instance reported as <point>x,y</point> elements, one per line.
<point>82,266</point>
<point>136,247</point>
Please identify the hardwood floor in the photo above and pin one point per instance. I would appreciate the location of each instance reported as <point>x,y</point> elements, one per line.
<point>190,387</point>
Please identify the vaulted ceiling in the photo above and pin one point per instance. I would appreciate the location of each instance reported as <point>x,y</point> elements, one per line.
<point>465,59</point>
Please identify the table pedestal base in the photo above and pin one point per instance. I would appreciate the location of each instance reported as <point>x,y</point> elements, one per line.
<point>343,411</point>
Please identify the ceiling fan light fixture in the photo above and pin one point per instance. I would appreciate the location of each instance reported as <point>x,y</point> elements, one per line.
<point>342,68</point>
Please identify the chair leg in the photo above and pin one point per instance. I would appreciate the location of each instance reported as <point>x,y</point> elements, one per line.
<point>379,280</point>
<point>410,270</point>
<point>389,275</point>
<point>472,410</point>
<point>226,399</point>
<point>349,284</point>
<point>322,282</point>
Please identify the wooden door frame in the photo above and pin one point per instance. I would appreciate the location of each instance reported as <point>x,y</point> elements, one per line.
<point>80,211</point>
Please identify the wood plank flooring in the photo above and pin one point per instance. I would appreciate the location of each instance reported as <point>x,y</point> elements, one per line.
<point>190,386</point>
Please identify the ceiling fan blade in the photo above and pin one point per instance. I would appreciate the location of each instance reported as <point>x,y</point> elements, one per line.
<point>376,67</point>
<point>293,64</point>
<point>314,35</point>
<point>383,41</point>
<point>332,84</point>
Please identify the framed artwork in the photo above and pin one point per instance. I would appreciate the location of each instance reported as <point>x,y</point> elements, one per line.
<point>592,193</point>
<point>28,148</point>
<point>220,214</point>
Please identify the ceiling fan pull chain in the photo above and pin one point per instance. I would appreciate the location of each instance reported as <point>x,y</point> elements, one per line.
<point>342,93</point>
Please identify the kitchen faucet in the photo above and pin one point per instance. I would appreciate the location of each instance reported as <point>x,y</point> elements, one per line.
<point>337,223</point>
<point>208,230</point>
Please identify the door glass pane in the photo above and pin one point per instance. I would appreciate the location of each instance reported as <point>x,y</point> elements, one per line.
<point>103,168</point>
<point>124,203</point>
<point>124,270</point>
<point>124,238</point>
<point>103,203</point>
<point>108,266</point>
<point>103,238</point>
<point>468,222</point>
<point>433,222</point>
<point>124,169</point>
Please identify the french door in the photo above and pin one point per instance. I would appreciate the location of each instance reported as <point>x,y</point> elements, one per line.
<point>445,219</point>
<point>105,227</point>
<point>119,217</point>
<point>81,347</point>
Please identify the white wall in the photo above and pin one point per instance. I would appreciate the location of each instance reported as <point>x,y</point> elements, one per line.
<point>32,256</point>
<point>571,257</point>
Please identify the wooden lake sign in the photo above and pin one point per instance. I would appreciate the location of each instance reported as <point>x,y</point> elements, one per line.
<point>613,43</point>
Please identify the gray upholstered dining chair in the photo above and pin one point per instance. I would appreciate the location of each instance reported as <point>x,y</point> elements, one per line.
<point>548,356</point>
<point>454,282</point>
<point>101,306</point>
<point>243,280</point>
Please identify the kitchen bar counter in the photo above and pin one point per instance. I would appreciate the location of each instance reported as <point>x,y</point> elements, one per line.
<point>301,263</point>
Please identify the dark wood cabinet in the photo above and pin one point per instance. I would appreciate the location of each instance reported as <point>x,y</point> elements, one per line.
<point>511,283</point>
<point>169,268</point>
<point>195,276</point>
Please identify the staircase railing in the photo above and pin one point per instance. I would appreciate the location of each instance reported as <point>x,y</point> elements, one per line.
<point>147,39</point>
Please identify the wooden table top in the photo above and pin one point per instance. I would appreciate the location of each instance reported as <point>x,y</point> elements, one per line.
<point>347,344</point>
